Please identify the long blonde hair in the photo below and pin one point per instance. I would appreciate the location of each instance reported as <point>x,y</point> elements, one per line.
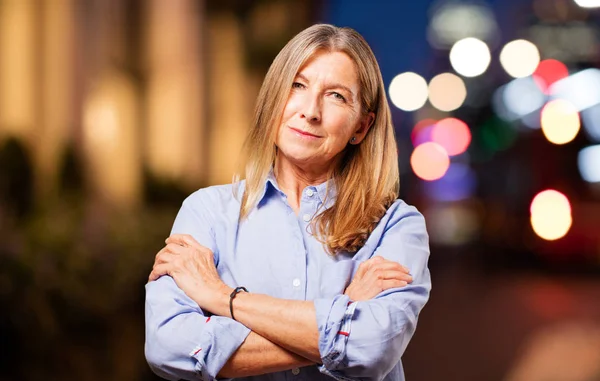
<point>366,179</point>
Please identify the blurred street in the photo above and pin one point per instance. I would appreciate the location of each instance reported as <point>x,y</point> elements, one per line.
<point>113,111</point>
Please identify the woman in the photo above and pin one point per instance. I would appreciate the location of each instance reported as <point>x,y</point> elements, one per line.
<point>315,235</point>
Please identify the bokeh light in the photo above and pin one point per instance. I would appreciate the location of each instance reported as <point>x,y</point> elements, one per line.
<point>548,72</point>
<point>101,122</point>
<point>470,57</point>
<point>533,120</point>
<point>581,89</point>
<point>452,134</point>
<point>522,96</point>
<point>591,122</point>
<point>408,91</point>
<point>588,161</point>
<point>447,92</point>
<point>560,121</point>
<point>421,132</point>
<point>457,184</point>
<point>588,3</point>
<point>452,21</point>
<point>496,135</point>
<point>550,215</point>
<point>519,58</point>
<point>429,161</point>
<point>452,224</point>
<point>499,106</point>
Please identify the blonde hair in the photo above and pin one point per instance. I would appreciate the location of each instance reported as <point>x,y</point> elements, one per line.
<point>366,178</point>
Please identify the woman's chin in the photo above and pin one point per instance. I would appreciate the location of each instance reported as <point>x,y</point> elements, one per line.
<point>300,157</point>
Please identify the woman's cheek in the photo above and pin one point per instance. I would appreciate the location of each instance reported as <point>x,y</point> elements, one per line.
<point>292,105</point>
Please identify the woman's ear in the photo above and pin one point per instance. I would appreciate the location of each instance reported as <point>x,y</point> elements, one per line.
<point>365,124</point>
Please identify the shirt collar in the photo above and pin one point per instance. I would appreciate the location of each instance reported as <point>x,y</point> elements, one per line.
<point>270,185</point>
<point>324,189</point>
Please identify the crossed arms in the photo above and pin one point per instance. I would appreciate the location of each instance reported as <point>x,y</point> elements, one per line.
<point>184,342</point>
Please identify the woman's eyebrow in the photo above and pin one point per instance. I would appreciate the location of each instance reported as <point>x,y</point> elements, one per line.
<point>302,77</point>
<point>332,85</point>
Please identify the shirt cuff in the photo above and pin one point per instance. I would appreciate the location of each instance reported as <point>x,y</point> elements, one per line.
<point>220,339</point>
<point>334,320</point>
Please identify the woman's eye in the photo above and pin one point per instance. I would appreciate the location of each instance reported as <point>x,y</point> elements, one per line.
<point>339,96</point>
<point>297,85</point>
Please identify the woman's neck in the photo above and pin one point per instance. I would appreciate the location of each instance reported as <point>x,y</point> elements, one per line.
<point>292,179</point>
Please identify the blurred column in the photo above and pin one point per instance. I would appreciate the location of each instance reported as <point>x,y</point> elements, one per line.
<point>175,142</point>
<point>229,98</point>
<point>110,135</point>
<point>57,79</point>
<point>17,68</point>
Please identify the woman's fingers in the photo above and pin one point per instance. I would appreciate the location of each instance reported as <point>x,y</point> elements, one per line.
<point>398,275</point>
<point>392,283</point>
<point>368,264</point>
<point>167,253</point>
<point>381,278</point>
<point>176,249</point>
<point>159,270</point>
<point>362,270</point>
<point>390,265</point>
<point>184,240</point>
<point>165,257</point>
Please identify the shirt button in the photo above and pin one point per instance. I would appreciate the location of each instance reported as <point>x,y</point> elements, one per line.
<point>310,192</point>
<point>306,217</point>
<point>295,371</point>
<point>296,282</point>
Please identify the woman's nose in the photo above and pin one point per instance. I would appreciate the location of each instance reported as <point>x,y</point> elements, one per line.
<point>312,109</point>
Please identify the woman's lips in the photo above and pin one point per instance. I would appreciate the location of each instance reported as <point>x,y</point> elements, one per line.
<point>304,133</point>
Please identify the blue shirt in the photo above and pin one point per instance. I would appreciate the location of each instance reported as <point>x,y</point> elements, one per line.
<point>273,252</point>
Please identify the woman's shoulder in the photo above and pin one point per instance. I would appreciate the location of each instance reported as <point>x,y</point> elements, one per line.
<point>400,206</point>
<point>215,196</point>
<point>402,211</point>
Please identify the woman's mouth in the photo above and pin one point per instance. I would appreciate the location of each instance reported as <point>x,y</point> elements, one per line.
<point>304,133</point>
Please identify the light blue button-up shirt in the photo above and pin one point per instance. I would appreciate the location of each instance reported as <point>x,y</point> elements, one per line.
<point>273,252</point>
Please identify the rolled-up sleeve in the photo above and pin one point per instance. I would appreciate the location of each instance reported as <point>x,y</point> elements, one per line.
<point>366,339</point>
<point>181,341</point>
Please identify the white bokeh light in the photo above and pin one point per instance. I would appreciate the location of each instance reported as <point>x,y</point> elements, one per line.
<point>522,96</point>
<point>453,21</point>
<point>591,122</point>
<point>588,162</point>
<point>470,57</point>
<point>560,121</point>
<point>581,89</point>
<point>447,92</point>
<point>408,91</point>
<point>551,217</point>
<point>519,58</point>
<point>588,3</point>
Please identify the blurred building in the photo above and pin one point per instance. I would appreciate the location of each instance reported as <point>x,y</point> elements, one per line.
<point>136,89</point>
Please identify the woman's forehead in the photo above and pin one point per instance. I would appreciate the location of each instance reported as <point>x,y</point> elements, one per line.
<point>336,66</point>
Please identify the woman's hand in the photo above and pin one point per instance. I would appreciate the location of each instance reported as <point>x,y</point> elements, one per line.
<point>376,275</point>
<point>192,267</point>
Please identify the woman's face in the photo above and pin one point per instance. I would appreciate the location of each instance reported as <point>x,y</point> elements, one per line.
<point>323,112</point>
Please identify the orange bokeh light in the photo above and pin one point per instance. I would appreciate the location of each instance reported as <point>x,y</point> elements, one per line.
<point>430,161</point>
<point>452,134</point>
<point>560,121</point>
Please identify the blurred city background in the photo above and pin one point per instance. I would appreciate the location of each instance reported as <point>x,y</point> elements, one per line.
<point>113,111</point>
